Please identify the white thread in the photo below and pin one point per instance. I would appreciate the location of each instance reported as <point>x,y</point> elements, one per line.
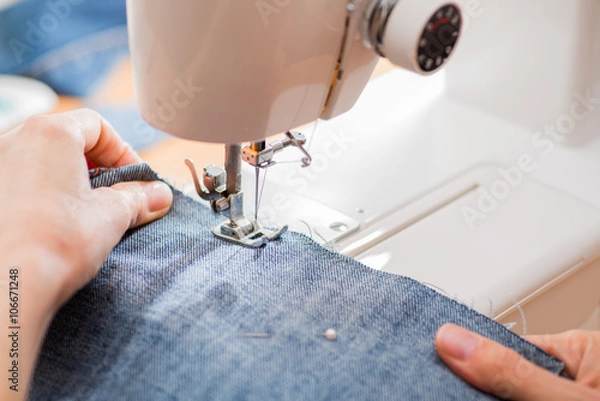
<point>522,313</point>
<point>262,190</point>
<point>309,228</point>
<point>312,135</point>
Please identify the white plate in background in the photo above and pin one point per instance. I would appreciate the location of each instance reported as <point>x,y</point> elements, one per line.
<point>21,98</point>
<point>7,3</point>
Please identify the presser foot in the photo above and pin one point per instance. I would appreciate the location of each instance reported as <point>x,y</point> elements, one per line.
<point>256,238</point>
<point>222,188</point>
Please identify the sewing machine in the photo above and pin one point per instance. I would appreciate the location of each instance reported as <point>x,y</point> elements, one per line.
<point>480,180</point>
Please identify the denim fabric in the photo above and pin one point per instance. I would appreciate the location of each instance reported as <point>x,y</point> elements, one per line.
<point>69,44</point>
<point>165,318</point>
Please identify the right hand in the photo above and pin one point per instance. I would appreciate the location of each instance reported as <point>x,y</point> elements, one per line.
<point>504,373</point>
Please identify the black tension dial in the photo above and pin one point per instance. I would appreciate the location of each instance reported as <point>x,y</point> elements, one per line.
<point>439,38</point>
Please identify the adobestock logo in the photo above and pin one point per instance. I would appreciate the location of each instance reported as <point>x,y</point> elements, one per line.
<point>543,141</point>
<point>584,104</point>
<point>473,10</point>
<point>267,8</point>
<point>181,97</point>
<point>489,198</point>
<point>37,31</point>
<point>297,181</point>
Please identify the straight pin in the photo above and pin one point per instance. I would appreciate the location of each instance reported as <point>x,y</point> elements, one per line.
<point>255,335</point>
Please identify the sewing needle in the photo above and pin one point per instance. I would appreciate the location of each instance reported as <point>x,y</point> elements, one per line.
<point>257,147</point>
<point>256,180</point>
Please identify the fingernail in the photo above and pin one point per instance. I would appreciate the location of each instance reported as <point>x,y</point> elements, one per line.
<point>457,342</point>
<point>159,196</point>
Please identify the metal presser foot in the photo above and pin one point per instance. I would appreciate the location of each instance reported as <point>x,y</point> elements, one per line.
<point>222,188</point>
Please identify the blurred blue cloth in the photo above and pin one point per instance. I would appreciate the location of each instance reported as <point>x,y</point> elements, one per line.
<point>131,126</point>
<point>166,316</point>
<point>71,45</point>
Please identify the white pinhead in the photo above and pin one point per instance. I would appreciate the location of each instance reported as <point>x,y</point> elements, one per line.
<point>330,334</point>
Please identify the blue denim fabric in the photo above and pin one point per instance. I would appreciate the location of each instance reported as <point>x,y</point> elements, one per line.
<point>165,318</point>
<point>69,44</point>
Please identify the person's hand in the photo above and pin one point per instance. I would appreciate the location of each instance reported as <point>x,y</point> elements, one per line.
<point>56,230</point>
<point>48,208</point>
<point>502,372</point>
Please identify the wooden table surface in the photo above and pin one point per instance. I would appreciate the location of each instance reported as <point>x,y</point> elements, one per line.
<point>167,156</point>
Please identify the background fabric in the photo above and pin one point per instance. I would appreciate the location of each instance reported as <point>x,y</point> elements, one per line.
<point>71,45</point>
<point>167,318</point>
<point>130,125</point>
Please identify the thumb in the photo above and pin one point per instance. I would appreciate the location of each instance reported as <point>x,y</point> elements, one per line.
<point>141,202</point>
<point>123,206</point>
<point>500,371</point>
<point>109,213</point>
<point>133,204</point>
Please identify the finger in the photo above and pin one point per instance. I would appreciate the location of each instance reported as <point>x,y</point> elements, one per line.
<point>103,145</point>
<point>81,130</point>
<point>563,347</point>
<point>123,206</point>
<point>500,371</point>
<point>579,350</point>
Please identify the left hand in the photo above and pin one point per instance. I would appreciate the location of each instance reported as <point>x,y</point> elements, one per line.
<point>497,370</point>
<point>56,230</point>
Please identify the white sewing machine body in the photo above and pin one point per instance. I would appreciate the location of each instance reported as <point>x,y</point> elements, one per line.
<point>452,179</point>
<point>232,72</point>
<point>254,69</point>
<point>462,180</point>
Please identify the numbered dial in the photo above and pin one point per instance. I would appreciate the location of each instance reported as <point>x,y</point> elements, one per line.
<point>439,38</point>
